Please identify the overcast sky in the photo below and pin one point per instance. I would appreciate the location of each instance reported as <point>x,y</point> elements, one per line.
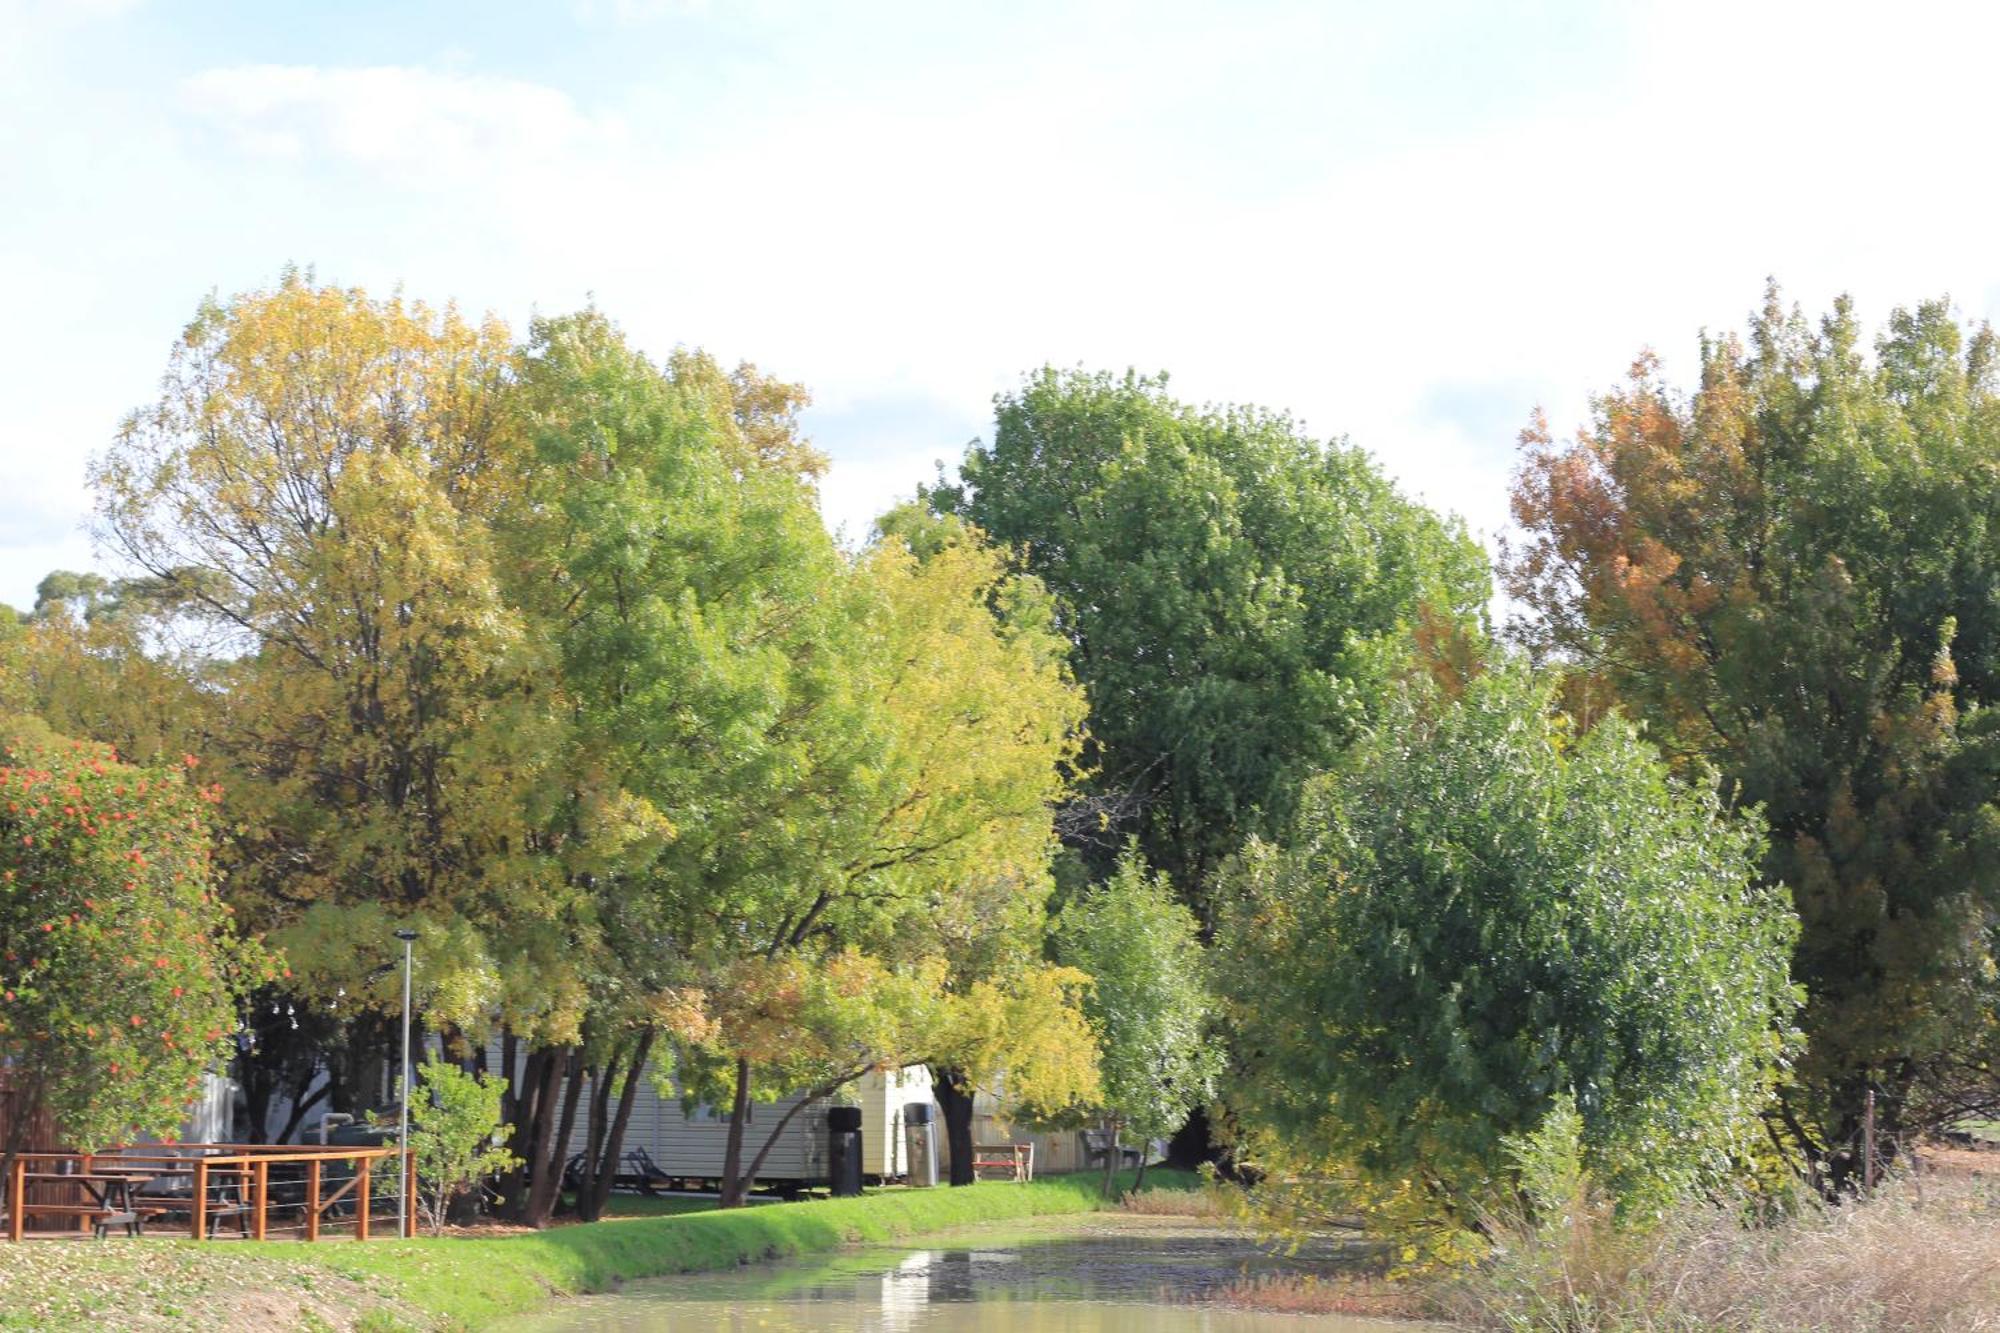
<point>1408,223</point>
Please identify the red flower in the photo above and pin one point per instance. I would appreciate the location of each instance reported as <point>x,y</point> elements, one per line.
<point>137,1021</point>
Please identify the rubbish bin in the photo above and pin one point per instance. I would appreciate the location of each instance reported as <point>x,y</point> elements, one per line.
<point>843,1149</point>
<point>921,1136</point>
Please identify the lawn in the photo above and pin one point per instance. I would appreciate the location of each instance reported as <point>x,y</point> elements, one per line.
<point>462,1283</point>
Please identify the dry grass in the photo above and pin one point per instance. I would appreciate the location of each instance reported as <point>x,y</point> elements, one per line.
<point>1292,1293</point>
<point>1203,1203</point>
<point>1923,1257</point>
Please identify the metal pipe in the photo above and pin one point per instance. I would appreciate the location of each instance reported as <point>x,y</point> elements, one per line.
<point>403,1109</point>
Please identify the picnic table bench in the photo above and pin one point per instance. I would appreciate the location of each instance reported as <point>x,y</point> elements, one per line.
<point>1018,1159</point>
<point>106,1202</point>
<point>1097,1145</point>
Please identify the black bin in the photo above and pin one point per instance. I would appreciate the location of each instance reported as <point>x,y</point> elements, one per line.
<point>843,1149</point>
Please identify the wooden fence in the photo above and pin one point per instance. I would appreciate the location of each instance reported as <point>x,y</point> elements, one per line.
<point>259,1189</point>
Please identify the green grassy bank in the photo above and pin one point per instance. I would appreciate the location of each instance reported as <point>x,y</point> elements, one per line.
<point>455,1283</point>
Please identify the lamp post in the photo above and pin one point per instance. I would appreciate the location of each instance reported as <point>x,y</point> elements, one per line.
<point>408,937</point>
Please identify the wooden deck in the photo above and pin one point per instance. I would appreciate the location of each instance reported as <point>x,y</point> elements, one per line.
<point>256,1190</point>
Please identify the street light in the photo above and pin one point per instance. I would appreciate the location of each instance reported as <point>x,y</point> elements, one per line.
<point>408,937</point>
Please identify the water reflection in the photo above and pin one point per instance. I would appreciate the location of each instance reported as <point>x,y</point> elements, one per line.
<point>1108,1279</point>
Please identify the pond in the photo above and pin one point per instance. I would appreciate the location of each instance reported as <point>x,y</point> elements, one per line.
<point>1106,1274</point>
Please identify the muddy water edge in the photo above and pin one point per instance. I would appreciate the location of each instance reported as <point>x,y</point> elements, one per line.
<point>1100,1273</point>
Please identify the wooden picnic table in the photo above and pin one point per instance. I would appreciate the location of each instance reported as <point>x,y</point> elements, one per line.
<point>109,1202</point>
<point>1016,1158</point>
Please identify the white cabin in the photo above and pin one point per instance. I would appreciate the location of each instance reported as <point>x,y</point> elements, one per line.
<point>689,1144</point>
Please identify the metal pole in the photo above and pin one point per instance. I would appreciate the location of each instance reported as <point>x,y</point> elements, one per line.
<point>403,1109</point>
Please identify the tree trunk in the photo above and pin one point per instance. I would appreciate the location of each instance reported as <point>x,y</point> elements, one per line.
<point>734,1187</point>
<point>301,1103</point>
<point>592,1207</point>
<point>545,1174</point>
<point>1110,1157</point>
<point>598,1125</point>
<point>749,1176</point>
<point>522,1103</point>
<point>954,1096</point>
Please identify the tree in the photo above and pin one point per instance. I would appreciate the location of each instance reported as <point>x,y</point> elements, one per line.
<point>1479,911</point>
<point>119,967</point>
<point>1235,595</point>
<point>1793,575</point>
<point>1022,1032</point>
<point>316,487</point>
<point>668,550</point>
<point>1148,1001</point>
<point>455,1128</point>
<point>100,658</point>
<point>931,768</point>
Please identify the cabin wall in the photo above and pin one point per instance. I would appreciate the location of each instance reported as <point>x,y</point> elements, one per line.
<point>1056,1151</point>
<point>883,1098</point>
<point>693,1142</point>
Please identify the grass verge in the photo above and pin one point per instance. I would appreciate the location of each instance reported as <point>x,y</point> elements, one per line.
<point>466,1283</point>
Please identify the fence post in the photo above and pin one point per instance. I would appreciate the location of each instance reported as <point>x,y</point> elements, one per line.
<point>361,1193</point>
<point>17,1199</point>
<point>198,1206</point>
<point>1868,1146</point>
<point>312,1199</point>
<point>409,1194</point>
<point>84,1167</point>
<point>263,1198</point>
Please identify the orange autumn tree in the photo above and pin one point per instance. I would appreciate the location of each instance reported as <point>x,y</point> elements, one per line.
<point>119,968</point>
<point>1793,574</point>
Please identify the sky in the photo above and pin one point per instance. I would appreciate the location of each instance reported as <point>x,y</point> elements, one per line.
<point>1410,225</point>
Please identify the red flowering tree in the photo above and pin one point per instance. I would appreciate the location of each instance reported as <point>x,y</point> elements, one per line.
<point>118,965</point>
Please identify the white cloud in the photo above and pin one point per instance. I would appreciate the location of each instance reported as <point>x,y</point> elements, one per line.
<point>918,227</point>
<point>408,123</point>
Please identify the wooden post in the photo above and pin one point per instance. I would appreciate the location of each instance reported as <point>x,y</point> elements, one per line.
<point>263,1191</point>
<point>409,1194</point>
<point>199,1204</point>
<point>17,1199</point>
<point>1868,1145</point>
<point>312,1199</point>
<point>361,1192</point>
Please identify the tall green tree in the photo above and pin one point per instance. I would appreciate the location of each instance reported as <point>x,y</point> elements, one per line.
<point>1148,1001</point>
<point>667,552</point>
<point>1235,595</point>
<point>1793,574</point>
<point>785,760</point>
<point>1479,912</point>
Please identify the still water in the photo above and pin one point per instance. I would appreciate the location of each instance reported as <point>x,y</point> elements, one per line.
<point>1103,1275</point>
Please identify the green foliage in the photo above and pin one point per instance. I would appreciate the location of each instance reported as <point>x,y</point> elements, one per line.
<point>315,488</point>
<point>1236,596</point>
<point>119,969</point>
<point>455,1126</point>
<point>1793,576</point>
<point>1148,998</point>
<point>1482,911</point>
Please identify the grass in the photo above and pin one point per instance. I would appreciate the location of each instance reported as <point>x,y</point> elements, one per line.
<point>1922,1257</point>
<point>1177,1200</point>
<point>462,1283</point>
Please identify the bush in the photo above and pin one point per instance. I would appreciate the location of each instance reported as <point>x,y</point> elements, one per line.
<point>455,1128</point>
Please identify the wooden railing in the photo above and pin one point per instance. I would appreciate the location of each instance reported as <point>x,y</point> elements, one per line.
<point>224,1180</point>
